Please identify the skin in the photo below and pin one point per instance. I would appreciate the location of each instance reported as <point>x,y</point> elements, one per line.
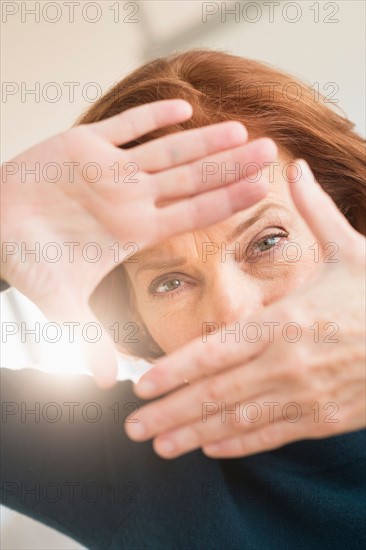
<point>108,209</point>
<point>171,198</point>
<point>242,283</point>
<point>320,374</point>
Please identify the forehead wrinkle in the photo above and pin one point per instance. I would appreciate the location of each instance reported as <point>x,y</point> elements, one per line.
<point>161,264</point>
<point>257,213</point>
<point>160,253</point>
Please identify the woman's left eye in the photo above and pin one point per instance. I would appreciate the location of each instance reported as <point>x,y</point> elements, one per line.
<point>269,241</point>
<point>265,244</point>
<point>168,286</point>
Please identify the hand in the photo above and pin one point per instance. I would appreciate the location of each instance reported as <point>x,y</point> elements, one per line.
<point>62,217</point>
<point>311,388</point>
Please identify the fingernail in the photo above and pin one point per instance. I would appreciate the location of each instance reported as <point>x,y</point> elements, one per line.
<point>136,429</point>
<point>104,382</point>
<point>145,387</point>
<point>238,133</point>
<point>166,447</point>
<point>212,448</point>
<point>184,108</point>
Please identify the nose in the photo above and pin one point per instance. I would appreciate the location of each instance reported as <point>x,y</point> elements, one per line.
<point>232,295</point>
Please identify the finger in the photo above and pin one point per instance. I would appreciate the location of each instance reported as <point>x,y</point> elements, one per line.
<point>221,169</point>
<point>141,120</point>
<point>219,421</point>
<point>209,208</point>
<point>175,149</point>
<point>267,438</point>
<point>318,209</point>
<point>170,412</point>
<point>195,360</point>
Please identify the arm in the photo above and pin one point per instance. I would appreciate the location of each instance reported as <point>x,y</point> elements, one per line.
<point>65,458</point>
<point>75,212</point>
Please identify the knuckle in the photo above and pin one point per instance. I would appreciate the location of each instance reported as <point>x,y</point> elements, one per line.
<point>270,437</point>
<point>173,153</point>
<point>300,362</point>
<point>217,351</point>
<point>235,389</point>
<point>195,435</point>
<point>185,178</point>
<point>168,182</point>
<point>196,173</point>
<point>130,121</point>
<point>236,423</point>
<point>206,357</point>
<point>285,372</point>
<point>212,390</point>
<point>294,370</point>
<point>201,365</point>
<point>162,417</point>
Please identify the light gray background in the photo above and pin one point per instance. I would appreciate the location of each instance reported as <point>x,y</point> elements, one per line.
<point>330,52</point>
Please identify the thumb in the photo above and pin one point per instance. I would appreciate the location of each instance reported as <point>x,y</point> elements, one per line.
<point>317,208</point>
<point>98,349</point>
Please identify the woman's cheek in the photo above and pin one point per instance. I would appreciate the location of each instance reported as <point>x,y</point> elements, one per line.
<point>174,324</point>
<point>279,278</point>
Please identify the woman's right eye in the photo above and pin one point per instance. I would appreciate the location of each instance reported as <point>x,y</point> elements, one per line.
<point>167,286</point>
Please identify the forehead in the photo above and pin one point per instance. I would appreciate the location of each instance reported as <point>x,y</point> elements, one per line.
<point>277,199</point>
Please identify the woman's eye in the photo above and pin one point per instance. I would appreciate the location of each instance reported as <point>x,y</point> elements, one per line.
<point>269,242</point>
<point>168,286</point>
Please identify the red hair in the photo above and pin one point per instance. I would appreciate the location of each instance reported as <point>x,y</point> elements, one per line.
<point>269,102</point>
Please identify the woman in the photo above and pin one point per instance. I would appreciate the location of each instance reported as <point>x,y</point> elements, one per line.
<point>307,493</point>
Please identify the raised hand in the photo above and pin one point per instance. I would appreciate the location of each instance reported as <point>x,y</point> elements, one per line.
<point>86,195</point>
<point>247,397</point>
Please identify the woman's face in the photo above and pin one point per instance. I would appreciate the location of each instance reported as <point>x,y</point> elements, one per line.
<point>226,272</point>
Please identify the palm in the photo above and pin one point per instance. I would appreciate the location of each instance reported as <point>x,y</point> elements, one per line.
<point>112,197</point>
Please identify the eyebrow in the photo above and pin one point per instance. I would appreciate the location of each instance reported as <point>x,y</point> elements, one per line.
<point>253,219</point>
<point>159,264</point>
<point>178,261</point>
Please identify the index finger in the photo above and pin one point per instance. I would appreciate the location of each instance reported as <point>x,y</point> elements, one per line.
<point>193,361</point>
<point>141,120</point>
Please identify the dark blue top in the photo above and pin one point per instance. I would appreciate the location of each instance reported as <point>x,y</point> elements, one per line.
<point>70,465</point>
